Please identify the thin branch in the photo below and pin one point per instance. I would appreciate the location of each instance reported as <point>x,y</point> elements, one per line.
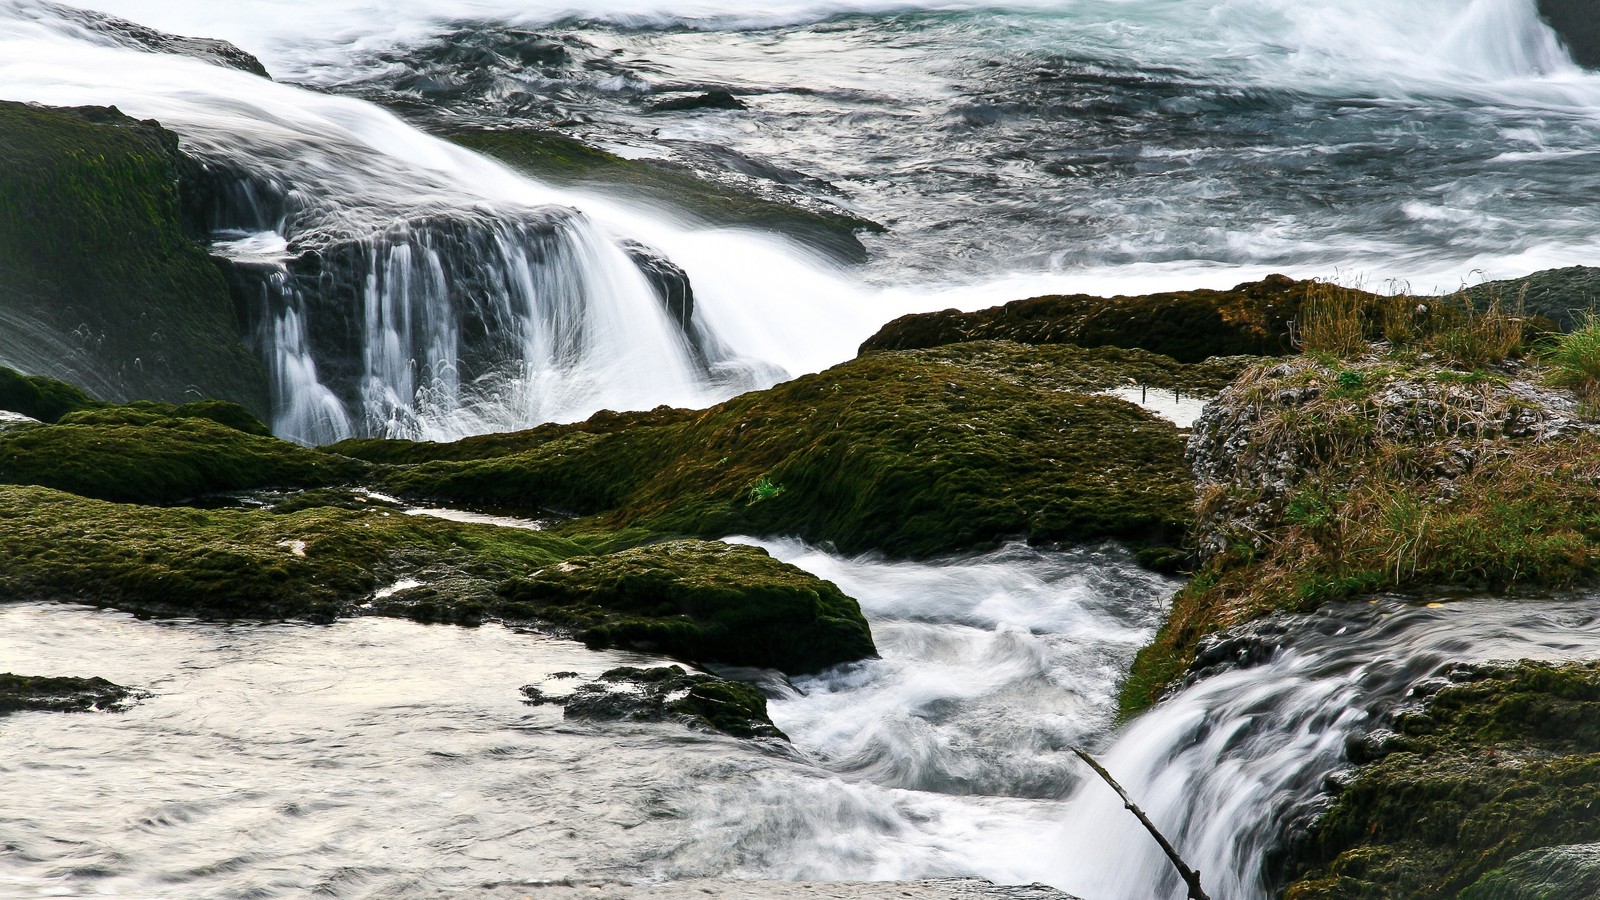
<point>1190,876</point>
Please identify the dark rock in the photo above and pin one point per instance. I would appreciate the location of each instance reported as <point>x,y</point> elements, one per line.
<point>699,601</point>
<point>136,36</point>
<point>1549,873</point>
<point>1189,326</point>
<point>19,693</point>
<point>1579,27</point>
<point>708,100</point>
<point>107,284</point>
<point>1499,771</point>
<point>1563,296</point>
<point>667,693</point>
<point>671,283</point>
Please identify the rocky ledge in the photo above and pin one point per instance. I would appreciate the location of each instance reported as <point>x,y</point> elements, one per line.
<point>20,693</point>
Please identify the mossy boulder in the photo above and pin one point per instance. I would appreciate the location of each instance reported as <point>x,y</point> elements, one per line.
<point>1188,326</point>
<point>562,160</point>
<point>667,693</point>
<point>103,280</point>
<point>45,399</point>
<point>1504,764</point>
<point>1549,873</point>
<point>1560,296</point>
<point>701,601</point>
<point>153,455</point>
<point>23,693</point>
<point>912,454</point>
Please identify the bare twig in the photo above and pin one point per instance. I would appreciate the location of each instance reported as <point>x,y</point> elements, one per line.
<point>1190,876</point>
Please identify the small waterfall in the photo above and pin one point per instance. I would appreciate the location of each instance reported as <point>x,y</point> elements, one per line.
<point>1235,765</point>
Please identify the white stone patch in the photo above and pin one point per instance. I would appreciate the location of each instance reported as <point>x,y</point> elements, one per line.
<point>298,548</point>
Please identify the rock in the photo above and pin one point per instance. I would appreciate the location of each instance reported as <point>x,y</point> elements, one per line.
<point>108,285</point>
<point>1501,769</point>
<point>1189,326</point>
<point>880,453</point>
<point>1575,22</point>
<point>700,601</point>
<point>20,693</point>
<point>136,36</point>
<point>1549,873</point>
<point>560,159</point>
<point>1563,296</point>
<point>667,693</point>
<point>709,100</point>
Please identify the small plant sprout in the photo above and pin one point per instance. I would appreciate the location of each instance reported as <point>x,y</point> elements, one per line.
<point>764,489</point>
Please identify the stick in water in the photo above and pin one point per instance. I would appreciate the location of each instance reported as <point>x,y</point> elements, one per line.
<point>1190,876</point>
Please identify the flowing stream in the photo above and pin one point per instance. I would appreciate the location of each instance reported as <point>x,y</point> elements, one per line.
<point>396,284</point>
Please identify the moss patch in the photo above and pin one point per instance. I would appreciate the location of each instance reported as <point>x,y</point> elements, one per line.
<point>559,159</point>
<point>45,399</point>
<point>1549,873</point>
<point>1507,763</point>
<point>912,454</point>
<point>668,693</point>
<point>103,280</point>
<point>698,600</point>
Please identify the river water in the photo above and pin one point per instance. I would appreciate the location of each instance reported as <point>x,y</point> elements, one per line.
<point>1092,145</point>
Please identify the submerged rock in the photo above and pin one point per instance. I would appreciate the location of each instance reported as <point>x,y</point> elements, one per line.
<point>667,693</point>
<point>1505,763</point>
<point>708,100</point>
<point>20,693</point>
<point>136,36</point>
<point>560,159</point>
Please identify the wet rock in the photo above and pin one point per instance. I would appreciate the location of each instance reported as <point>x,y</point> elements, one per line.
<point>19,693</point>
<point>718,99</point>
<point>1549,873</point>
<point>666,693</point>
<point>136,36</point>
<point>108,285</point>
<point>1482,791</point>
<point>700,601</point>
<point>1576,23</point>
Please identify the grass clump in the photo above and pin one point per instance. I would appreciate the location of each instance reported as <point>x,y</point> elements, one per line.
<point>1574,360</point>
<point>1505,763</point>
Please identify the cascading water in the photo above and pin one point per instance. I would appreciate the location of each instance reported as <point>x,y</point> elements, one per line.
<point>397,284</point>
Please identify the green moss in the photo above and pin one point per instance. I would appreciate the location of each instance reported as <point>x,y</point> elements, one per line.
<point>1549,873</point>
<point>232,563</point>
<point>103,281</point>
<point>45,399</point>
<point>20,693</point>
<point>557,158</point>
<point>910,454</point>
<point>1505,764</point>
<point>161,459</point>
<point>700,601</point>
<point>147,412</point>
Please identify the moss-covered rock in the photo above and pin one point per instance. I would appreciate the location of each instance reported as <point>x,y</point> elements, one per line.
<point>1549,873</point>
<point>559,159</point>
<point>149,455</point>
<point>667,693</point>
<point>45,399</point>
<point>103,280</point>
<point>701,601</point>
<point>19,693</point>
<point>1189,326</point>
<point>912,454</point>
<point>1506,763</point>
<point>1323,479</point>
<point>229,563</point>
<point>1561,296</point>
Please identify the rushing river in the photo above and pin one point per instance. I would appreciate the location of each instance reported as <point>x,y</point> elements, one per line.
<point>1016,149</point>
